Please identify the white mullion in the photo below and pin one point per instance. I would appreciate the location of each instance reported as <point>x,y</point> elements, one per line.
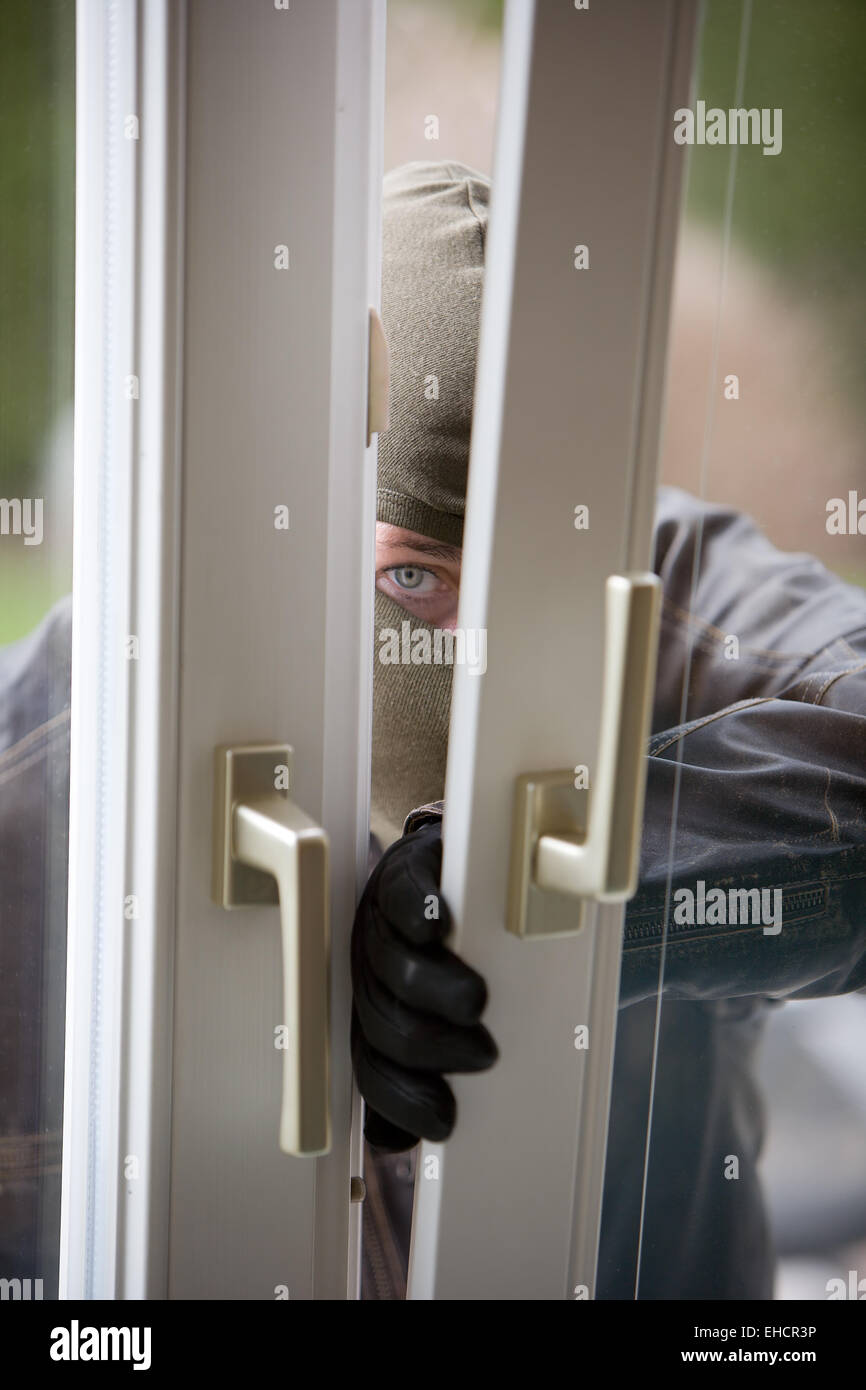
<point>358,156</point>
<point>121,777</point>
<point>152,802</point>
<point>105,61</point>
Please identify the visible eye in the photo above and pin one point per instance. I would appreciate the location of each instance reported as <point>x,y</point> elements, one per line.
<point>428,594</point>
<point>412,579</point>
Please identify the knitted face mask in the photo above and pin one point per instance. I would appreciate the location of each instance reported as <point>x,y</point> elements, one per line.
<point>434,227</point>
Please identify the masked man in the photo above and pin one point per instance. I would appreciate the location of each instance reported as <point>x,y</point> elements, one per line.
<point>772,792</point>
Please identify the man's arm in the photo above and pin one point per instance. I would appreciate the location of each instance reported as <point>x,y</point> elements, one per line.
<point>761,880</point>
<point>761,795</point>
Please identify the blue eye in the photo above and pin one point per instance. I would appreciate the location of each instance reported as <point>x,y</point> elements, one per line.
<point>410,577</point>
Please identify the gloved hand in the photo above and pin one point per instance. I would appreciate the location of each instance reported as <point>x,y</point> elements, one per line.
<point>416,1004</point>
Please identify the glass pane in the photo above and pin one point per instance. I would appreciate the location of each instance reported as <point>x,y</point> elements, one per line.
<point>37,143</point>
<point>753,862</point>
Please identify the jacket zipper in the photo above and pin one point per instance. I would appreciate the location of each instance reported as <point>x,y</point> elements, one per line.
<point>799,901</point>
<point>377,1263</point>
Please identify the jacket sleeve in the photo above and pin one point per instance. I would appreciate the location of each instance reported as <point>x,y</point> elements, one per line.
<point>753,861</point>
<point>770,801</point>
<point>756,786</point>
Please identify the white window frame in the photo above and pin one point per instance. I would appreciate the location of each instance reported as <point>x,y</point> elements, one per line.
<point>132,209</point>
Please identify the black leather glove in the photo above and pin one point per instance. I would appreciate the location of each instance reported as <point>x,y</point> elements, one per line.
<point>416,1004</point>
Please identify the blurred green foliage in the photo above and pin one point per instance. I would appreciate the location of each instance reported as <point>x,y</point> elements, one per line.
<point>807,203</point>
<point>37,151</point>
<point>37,254</point>
<point>27,591</point>
<point>802,212</point>
<point>485,14</point>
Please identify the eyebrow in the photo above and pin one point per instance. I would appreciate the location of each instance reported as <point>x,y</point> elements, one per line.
<point>437,548</point>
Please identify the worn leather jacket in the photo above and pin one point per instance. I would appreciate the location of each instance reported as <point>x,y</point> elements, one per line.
<point>767,761</point>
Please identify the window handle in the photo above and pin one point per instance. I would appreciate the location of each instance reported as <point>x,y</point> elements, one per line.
<point>586,843</point>
<point>267,850</point>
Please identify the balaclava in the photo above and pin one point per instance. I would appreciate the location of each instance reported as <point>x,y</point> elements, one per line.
<point>434,229</point>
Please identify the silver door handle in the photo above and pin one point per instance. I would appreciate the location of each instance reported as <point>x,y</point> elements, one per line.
<point>558,846</point>
<point>267,850</point>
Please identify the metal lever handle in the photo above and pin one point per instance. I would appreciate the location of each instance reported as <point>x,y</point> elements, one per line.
<point>604,863</point>
<point>600,862</point>
<point>259,831</point>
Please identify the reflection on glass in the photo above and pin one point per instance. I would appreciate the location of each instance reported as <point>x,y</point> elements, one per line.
<point>754,861</point>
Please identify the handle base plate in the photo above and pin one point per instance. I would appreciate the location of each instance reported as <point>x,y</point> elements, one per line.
<point>545,803</point>
<point>243,774</point>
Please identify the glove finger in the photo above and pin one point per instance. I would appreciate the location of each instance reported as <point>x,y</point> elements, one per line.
<point>380,1134</point>
<point>406,889</point>
<point>415,1103</point>
<point>431,978</point>
<point>418,1040</point>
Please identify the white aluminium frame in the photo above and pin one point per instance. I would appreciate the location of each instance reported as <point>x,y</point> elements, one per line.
<point>133,356</point>
<point>129,288</point>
